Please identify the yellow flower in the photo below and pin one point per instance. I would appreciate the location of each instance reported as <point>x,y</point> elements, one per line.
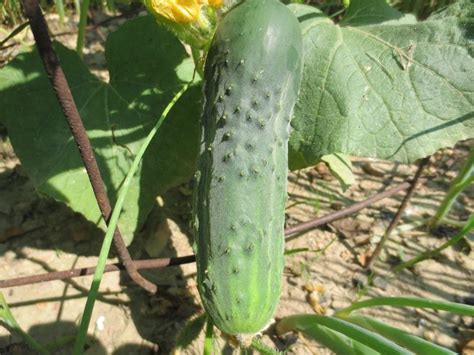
<point>182,11</point>
<point>192,21</point>
<point>213,3</point>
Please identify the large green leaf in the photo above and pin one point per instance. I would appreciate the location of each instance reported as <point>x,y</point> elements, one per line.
<point>379,85</point>
<point>147,67</point>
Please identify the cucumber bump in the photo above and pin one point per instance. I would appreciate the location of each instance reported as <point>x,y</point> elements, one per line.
<point>251,80</point>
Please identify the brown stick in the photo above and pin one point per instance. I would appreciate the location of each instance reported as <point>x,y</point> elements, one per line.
<point>67,274</point>
<point>158,263</point>
<point>398,215</point>
<point>69,108</point>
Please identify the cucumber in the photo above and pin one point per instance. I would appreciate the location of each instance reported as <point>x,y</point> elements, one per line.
<point>251,80</point>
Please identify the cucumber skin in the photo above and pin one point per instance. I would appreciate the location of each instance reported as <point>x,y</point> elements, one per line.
<point>251,80</point>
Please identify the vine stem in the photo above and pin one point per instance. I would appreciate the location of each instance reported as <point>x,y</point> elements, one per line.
<point>398,215</point>
<point>63,93</point>
<point>462,180</point>
<point>104,251</point>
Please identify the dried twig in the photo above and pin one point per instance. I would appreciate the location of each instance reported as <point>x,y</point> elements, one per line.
<point>414,183</point>
<point>69,108</point>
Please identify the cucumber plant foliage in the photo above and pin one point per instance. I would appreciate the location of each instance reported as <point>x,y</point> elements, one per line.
<point>147,66</point>
<point>376,84</point>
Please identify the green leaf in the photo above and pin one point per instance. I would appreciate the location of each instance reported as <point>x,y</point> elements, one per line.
<point>310,325</point>
<point>369,12</point>
<point>337,342</point>
<point>190,331</point>
<point>333,340</point>
<point>341,167</point>
<point>147,67</point>
<point>392,90</point>
<point>407,340</point>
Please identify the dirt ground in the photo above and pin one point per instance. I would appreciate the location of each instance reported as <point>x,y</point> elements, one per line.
<point>38,235</point>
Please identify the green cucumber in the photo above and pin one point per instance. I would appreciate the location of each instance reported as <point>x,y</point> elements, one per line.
<point>251,80</point>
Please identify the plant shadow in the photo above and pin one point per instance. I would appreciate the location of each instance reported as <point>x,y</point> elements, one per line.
<point>57,337</point>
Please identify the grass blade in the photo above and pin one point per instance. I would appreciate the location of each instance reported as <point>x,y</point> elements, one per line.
<point>306,323</point>
<point>452,307</point>
<point>208,337</point>
<point>407,340</point>
<point>81,33</point>
<point>432,253</point>
<point>77,7</point>
<point>300,250</point>
<point>11,324</point>
<point>464,178</point>
<point>16,31</point>
<point>104,251</point>
<point>60,10</point>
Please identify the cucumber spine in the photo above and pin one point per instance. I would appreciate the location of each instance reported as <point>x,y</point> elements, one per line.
<point>252,76</point>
